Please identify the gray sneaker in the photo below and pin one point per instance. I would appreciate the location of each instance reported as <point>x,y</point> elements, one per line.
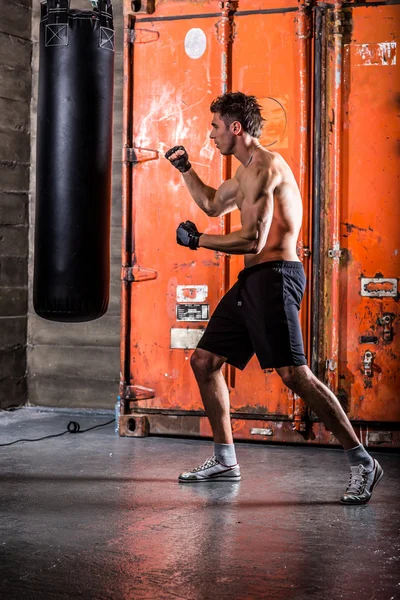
<point>362,484</point>
<point>211,470</point>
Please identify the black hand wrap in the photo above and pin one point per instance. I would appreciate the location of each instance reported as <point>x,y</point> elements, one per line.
<point>182,163</point>
<point>188,235</point>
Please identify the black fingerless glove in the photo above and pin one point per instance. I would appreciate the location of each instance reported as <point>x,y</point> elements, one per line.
<point>182,163</point>
<point>188,235</point>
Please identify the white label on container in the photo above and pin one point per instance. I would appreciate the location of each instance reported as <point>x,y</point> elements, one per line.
<point>192,312</point>
<point>191,293</point>
<point>195,43</point>
<point>185,339</point>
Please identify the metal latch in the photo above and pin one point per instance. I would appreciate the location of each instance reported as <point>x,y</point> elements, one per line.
<point>367,363</point>
<point>386,320</point>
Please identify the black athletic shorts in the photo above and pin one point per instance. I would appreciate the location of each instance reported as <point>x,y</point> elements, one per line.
<point>260,314</point>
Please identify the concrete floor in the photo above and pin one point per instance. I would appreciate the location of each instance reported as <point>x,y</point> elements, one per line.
<point>95,516</point>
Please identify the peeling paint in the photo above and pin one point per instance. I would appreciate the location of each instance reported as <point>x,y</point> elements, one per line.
<point>381,54</point>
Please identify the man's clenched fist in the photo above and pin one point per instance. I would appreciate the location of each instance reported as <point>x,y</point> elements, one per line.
<point>188,235</point>
<point>181,160</point>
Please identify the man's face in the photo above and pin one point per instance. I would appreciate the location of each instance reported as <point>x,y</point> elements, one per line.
<point>221,135</point>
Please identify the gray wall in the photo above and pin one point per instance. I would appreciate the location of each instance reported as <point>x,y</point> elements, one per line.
<point>15,93</point>
<point>77,364</point>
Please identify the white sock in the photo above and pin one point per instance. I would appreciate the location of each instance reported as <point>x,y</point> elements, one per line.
<point>359,456</point>
<point>225,454</point>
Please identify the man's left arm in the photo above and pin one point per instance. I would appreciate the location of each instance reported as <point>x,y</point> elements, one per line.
<point>256,217</point>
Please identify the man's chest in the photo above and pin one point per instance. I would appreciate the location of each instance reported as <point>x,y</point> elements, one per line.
<point>239,198</point>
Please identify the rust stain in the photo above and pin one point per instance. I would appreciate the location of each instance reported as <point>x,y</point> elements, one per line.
<point>350,227</point>
<point>252,408</point>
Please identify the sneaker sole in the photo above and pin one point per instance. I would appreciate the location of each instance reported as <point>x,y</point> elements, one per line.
<point>209,479</point>
<point>373,486</point>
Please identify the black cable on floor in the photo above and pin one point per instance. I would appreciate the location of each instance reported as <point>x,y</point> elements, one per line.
<point>73,427</point>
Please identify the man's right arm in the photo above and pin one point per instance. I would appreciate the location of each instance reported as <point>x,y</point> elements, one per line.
<point>213,202</point>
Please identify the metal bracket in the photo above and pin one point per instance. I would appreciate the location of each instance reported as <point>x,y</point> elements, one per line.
<point>138,392</point>
<point>141,36</point>
<point>335,252</point>
<point>133,425</point>
<point>143,6</point>
<point>229,5</point>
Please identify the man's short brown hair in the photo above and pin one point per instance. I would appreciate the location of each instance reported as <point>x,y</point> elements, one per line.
<point>236,106</point>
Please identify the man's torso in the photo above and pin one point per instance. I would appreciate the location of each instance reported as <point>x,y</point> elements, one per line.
<point>287,213</point>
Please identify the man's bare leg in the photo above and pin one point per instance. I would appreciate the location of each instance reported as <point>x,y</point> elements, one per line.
<point>214,393</point>
<point>222,466</point>
<point>322,401</point>
<point>366,472</point>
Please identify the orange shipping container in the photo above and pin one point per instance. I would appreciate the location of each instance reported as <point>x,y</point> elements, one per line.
<point>326,76</point>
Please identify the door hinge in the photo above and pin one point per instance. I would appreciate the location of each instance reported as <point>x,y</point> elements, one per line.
<point>137,392</point>
<point>143,6</point>
<point>229,5</point>
<point>137,274</point>
<point>304,22</point>
<point>141,36</point>
<point>137,155</point>
<point>225,30</point>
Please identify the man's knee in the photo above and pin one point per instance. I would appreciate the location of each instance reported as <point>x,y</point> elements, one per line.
<point>205,363</point>
<point>296,378</point>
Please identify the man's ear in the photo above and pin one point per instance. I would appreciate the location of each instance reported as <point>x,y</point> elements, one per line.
<point>236,128</point>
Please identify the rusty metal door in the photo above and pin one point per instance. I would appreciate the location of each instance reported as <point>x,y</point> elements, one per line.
<point>358,313</point>
<point>307,64</point>
<point>171,294</point>
<point>278,73</point>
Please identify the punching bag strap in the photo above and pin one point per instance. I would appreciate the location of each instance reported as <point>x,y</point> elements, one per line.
<point>106,38</point>
<point>57,24</point>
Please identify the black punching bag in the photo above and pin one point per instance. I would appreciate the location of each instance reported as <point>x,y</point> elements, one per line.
<point>74,137</point>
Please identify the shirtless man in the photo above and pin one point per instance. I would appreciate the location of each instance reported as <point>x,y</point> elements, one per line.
<point>259,314</point>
